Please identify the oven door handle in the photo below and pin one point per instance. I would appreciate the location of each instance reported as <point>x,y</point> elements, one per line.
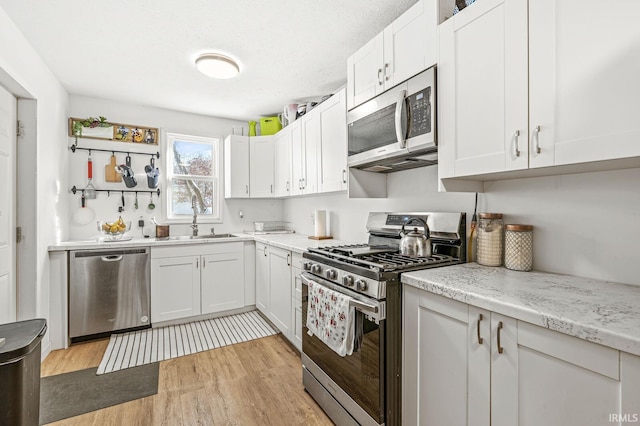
<point>365,307</point>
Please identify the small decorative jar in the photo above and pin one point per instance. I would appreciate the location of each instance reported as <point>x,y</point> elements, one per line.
<point>490,239</point>
<point>518,241</point>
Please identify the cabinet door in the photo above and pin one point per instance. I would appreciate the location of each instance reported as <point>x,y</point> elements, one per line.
<point>584,92</point>
<point>236,166</point>
<point>310,125</point>
<point>297,158</point>
<point>548,378</point>
<point>479,373</point>
<point>365,72</point>
<point>296,300</point>
<point>282,142</point>
<point>175,288</point>
<point>333,149</point>
<point>222,279</point>
<point>262,278</point>
<point>261,160</point>
<point>280,290</point>
<point>434,368</point>
<point>482,89</point>
<point>410,43</point>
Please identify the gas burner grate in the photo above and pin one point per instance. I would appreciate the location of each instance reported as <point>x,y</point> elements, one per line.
<point>397,261</point>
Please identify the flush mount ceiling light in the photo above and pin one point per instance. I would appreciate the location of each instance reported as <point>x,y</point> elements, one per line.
<point>217,66</point>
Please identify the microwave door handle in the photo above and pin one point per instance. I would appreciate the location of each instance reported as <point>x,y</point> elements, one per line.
<point>400,133</point>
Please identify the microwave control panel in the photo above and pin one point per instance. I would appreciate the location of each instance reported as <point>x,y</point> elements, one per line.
<point>420,115</point>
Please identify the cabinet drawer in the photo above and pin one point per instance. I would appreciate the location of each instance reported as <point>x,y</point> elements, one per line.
<point>196,249</point>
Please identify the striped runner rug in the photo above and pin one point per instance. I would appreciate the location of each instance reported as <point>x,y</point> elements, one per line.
<point>158,344</point>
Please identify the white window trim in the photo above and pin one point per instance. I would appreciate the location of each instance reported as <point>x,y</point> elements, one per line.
<point>218,177</point>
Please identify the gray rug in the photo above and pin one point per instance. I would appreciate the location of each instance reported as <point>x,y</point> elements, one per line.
<point>71,394</point>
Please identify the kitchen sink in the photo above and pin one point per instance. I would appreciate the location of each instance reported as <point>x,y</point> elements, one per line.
<point>198,237</point>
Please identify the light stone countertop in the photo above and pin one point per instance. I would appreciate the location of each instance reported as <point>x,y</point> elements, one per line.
<point>294,242</point>
<point>597,311</point>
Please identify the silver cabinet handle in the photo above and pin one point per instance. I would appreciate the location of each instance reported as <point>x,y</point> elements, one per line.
<point>500,348</point>
<point>265,251</point>
<point>344,176</point>
<point>197,263</point>
<point>272,188</point>
<point>480,339</point>
<point>300,184</point>
<point>380,76</point>
<point>287,186</point>
<point>288,259</point>
<point>398,119</point>
<point>536,135</point>
<point>304,183</point>
<point>246,189</point>
<point>516,135</point>
<point>386,74</point>
<point>204,263</point>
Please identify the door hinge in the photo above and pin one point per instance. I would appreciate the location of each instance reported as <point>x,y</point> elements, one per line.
<point>18,234</point>
<point>19,128</point>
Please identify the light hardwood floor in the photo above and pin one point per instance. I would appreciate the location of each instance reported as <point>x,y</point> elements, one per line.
<point>253,383</point>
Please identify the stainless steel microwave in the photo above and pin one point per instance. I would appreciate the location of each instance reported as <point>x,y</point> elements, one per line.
<point>396,130</point>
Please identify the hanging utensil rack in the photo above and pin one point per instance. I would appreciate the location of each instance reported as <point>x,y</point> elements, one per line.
<point>113,151</point>
<point>121,191</point>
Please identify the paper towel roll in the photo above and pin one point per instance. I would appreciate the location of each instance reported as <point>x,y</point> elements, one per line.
<point>320,221</point>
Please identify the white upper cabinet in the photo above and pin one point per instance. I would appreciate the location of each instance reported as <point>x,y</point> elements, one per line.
<point>297,157</point>
<point>403,49</point>
<point>236,166</point>
<point>309,155</point>
<point>282,146</point>
<point>333,157</point>
<point>584,81</point>
<point>249,169</point>
<point>261,161</point>
<point>482,89</point>
<point>528,85</point>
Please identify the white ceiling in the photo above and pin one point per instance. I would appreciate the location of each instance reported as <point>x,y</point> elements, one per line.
<point>143,51</point>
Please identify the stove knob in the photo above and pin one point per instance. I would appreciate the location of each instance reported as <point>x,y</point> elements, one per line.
<point>331,274</point>
<point>316,269</point>
<point>347,280</point>
<point>306,266</point>
<point>361,285</point>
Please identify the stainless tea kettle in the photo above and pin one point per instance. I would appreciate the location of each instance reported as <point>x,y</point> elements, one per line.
<point>415,243</point>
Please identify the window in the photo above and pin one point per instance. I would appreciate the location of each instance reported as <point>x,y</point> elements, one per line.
<point>193,178</point>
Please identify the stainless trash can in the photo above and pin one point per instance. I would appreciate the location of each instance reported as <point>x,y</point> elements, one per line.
<point>20,372</point>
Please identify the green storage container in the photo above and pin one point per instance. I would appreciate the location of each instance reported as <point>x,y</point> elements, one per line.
<point>269,126</point>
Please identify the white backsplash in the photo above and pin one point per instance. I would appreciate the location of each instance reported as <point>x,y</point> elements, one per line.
<point>584,224</point>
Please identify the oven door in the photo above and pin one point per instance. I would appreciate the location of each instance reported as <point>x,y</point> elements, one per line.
<point>360,375</point>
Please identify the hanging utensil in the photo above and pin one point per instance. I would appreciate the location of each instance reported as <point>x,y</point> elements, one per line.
<point>121,208</point>
<point>110,171</point>
<point>151,206</point>
<point>153,174</point>
<point>135,204</point>
<point>83,215</point>
<point>90,190</point>
<point>127,173</point>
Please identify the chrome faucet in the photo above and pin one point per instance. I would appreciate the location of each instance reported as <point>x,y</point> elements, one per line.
<point>194,225</point>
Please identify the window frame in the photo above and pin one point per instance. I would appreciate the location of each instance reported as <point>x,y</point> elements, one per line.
<point>216,178</point>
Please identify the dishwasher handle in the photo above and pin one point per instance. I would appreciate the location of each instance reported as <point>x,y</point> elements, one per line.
<point>112,258</point>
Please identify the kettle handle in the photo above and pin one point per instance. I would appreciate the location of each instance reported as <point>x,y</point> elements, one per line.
<point>420,221</point>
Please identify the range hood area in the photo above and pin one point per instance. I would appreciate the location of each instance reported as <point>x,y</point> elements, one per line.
<point>402,162</point>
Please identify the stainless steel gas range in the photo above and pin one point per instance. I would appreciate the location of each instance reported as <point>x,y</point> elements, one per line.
<point>364,387</point>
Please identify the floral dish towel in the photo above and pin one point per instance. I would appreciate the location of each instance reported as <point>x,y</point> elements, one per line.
<point>331,318</point>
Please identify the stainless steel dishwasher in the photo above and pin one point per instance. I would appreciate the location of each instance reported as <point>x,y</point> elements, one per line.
<point>109,290</point>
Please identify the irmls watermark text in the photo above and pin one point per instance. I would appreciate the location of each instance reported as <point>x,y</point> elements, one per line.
<point>624,418</point>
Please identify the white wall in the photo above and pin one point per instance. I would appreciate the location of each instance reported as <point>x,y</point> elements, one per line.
<point>24,73</point>
<point>106,208</point>
<point>584,224</point>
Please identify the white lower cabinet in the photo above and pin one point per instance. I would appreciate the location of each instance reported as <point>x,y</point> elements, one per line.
<point>280,289</point>
<point>296,301</point>
<point>276,297</point>
<point>463,365</point>
<point>194,280</point>
<point>262,278</point>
